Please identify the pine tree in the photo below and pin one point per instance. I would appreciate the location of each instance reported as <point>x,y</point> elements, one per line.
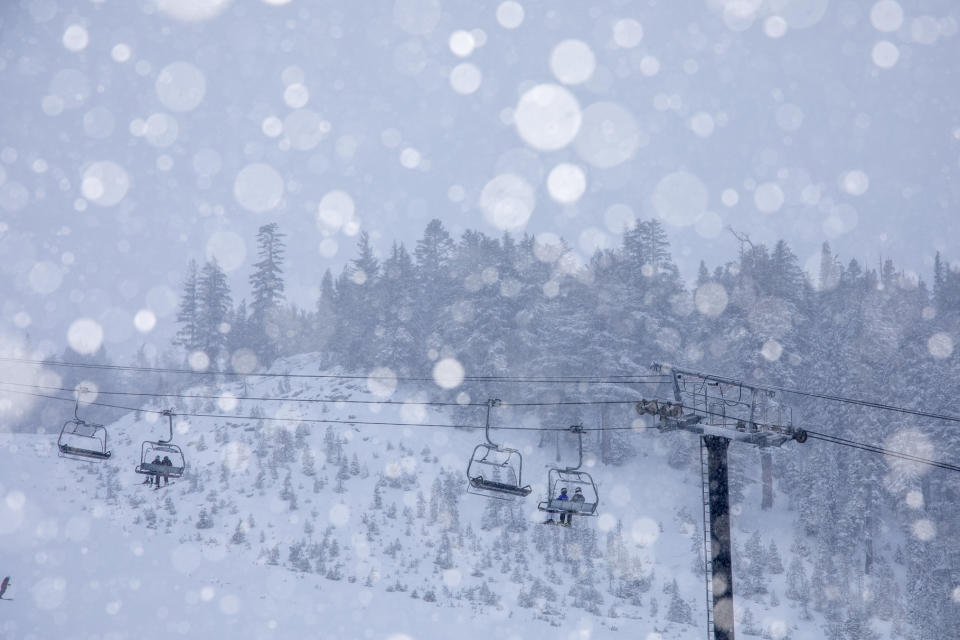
<point>785,279</point>
<point>856,624</point>
<point>308,463</point>
<point>773,561</point>
<point>830,269</point>
<point>434,255</point>
<point>286,493</point>
<point>324,320</point>
<point>297,558</point>
<point>358,310</point>
<point>679,610</point>
<point>434,252</point>
<point>398,334</point>
<point>188,315</point>
<point>213,293</point>
<point>444,557</point>
<point>343,473</point>
<point>939,279</point>
<point>239,336</point>
<point>748,624</point>
<point>268,292</point>
<point>239,534</point>
<point>354,465</point>
<point>204,521</point>
<point>752,581</point>
<point>703,274</point>
<point>647,245</point>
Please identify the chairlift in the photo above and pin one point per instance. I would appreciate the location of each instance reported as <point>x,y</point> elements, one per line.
<point>154,453</point>
<point>82,440</point>
<point>495,471</point>
<point>571,479</point>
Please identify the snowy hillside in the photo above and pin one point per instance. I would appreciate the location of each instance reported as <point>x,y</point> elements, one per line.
<point>286,530</point>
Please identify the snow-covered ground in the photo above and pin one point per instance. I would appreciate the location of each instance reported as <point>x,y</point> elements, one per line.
<point>95,554</point>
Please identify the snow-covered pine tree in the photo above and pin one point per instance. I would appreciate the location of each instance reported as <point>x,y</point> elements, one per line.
<point>752,580</point>
<point>213,293</point>
<point>239,336</point>
<point>358,308</point>
<point>354,465</point>
<point>324,319</point>
<point>331,446</point>
<point>434,253</point>
<point>773,561</point>
<point>679,610</point>
<point>343,474</point>
<point>188,314</point>
<point>204,521</point>
<point>239,534</point>
<point>748,624</point>
<point>398,335</point>
<point>267,286</point>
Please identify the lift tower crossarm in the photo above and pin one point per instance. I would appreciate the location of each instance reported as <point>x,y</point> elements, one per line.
<point>716,405</point>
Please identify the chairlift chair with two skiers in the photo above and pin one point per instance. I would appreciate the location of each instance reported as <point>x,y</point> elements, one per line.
<point>153,450</point>
<point>82,440</point>
<point>495,471</point>
<point>563,484</point>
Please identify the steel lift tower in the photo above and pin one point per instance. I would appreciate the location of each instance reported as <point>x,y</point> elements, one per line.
<point>720,410</point>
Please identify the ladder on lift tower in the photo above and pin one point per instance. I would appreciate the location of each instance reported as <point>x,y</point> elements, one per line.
<point>707,544</point>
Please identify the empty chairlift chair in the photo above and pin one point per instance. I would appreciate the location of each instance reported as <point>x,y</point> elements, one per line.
<point>151,451</point>
<point>495,471</point>
<point>82,440</point>
<point>571,479</point>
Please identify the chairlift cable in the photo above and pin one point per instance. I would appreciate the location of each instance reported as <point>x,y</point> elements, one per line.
<point>605,379</point>
<point>585,379</point>
<point>326,400</point>
<point>200,396</point>
<point>820,436</point>
<point>313,420</point>
<point>433,403</point>
<point>882,450</point>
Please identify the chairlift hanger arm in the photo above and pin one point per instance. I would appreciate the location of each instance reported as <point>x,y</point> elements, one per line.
<point>577,429</point>
<point>169,413</point>
<point>491,402</point>
<point>76,403</point>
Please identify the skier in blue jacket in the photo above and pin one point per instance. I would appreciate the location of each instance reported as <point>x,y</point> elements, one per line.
<point>564,515</point>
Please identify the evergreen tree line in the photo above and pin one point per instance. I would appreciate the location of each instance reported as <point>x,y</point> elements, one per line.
<point>524,308</point>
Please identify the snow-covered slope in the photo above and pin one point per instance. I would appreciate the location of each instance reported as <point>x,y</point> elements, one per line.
<point>287,529</point>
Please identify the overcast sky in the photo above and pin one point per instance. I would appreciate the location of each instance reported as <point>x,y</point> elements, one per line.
<point>137,134</point>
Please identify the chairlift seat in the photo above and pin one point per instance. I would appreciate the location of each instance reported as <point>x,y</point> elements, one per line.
<point>150,450</point>
<point>482,484</point>
<point>568,506</point>
<point>497,470</point>
<point>572,480</point>
<point>151,468</point>
<point>79,439</point>
<point>68,451</point>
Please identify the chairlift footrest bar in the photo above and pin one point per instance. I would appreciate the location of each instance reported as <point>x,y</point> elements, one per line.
<point>498,487</point>
<point>68,451</point>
